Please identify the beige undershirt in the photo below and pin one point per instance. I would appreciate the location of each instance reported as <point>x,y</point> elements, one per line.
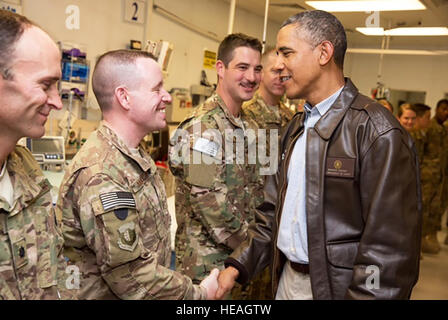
<point>135,151</point>
<point>6,188</point>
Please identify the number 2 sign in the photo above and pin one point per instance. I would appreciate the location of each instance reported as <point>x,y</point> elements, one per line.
<point>134,11</point>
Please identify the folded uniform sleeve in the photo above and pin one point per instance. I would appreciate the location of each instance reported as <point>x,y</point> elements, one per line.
<point>112,231</point>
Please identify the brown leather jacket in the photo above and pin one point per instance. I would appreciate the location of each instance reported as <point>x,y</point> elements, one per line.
<point>363,205</point>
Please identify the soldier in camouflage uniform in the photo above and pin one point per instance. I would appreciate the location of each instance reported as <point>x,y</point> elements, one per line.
<point>433,178</point>
<point>32,266</point>
<point>445,192</point>
<point>215,198</point>
<point>267,107</point>
<point>269,111</point>
<point>112,199</point>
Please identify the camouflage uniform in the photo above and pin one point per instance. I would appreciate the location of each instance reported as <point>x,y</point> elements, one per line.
<point>445,185</point>
<point>419,137</point>
<point>267,117</point>
<point>117,225</point>
<point>214,202</point>
<point>31,260</point>
<point>433,166</point>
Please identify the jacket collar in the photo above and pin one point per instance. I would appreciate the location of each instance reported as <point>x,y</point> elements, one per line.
<point>330,120</point>
<point>28,183</point>
<point>145,162</point>
<point>227,113</point>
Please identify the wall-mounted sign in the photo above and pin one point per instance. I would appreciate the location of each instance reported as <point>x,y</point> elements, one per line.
<point>16,8</point>
<point>209,59</point>
<point>134,11</point>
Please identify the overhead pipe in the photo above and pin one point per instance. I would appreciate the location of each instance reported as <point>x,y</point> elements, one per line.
<point>186,24</point>
<point>148,23</point>
<point>266,11</point>
<point>231,16</point>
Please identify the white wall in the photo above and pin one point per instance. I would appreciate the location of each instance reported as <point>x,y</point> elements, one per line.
<point>401,72</point>
<point>189,46</point>
<point>102,28</point>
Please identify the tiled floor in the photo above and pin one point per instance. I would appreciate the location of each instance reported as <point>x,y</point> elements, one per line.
<point>433,280</point>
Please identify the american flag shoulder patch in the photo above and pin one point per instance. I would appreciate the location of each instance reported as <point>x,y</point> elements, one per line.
<point>119,199</point>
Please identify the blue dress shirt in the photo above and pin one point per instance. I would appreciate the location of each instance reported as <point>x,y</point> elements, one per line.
<point>292,237</point>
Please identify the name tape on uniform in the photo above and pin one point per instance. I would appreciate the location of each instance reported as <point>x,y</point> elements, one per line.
<point>206,146</point>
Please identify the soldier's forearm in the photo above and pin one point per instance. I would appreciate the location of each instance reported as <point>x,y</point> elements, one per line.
<point>145,279</point>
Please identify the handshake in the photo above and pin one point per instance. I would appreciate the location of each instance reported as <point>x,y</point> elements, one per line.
<point>218,284</point>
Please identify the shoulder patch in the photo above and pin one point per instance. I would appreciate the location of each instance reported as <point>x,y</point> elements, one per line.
<point>128,237</point>
<point>119,199</point>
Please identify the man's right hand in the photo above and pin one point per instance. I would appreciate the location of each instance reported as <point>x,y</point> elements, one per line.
<point>226,281</point>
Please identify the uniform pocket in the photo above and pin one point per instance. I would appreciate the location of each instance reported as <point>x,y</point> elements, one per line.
<point>6,269</point>
<point>121,232</point>
<point>342,254</point>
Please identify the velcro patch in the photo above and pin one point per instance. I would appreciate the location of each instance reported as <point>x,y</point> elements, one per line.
<point>206,146</point>
<point>121,213</point>
<point>117,199</point>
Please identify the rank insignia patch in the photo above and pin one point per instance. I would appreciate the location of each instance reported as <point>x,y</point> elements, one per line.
<point>128,237</point>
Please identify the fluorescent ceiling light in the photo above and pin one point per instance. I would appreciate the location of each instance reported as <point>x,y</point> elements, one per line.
<point>372,5</point>
<point>417,32</point>
<point>436,31</point>
<point>371,31</point>
<point>399,51</point>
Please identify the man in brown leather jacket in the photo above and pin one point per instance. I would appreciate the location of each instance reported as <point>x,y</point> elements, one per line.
<point>342,217</point>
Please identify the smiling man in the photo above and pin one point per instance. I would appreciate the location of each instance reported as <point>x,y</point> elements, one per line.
<point>113,202</point>
<point>31,260</point>
<point>342,217</point>
<point>215,195</point>
<point>268,110</point>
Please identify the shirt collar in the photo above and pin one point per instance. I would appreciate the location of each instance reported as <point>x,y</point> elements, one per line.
<point>145,162</point>
<point>323,106</point>
<point>236,121</point>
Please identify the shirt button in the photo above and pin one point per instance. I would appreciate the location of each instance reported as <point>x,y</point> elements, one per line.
<point>22,252</point>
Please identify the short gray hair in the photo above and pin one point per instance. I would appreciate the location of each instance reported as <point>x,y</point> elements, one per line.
<point>12,27</point>
<point>322,26</point>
